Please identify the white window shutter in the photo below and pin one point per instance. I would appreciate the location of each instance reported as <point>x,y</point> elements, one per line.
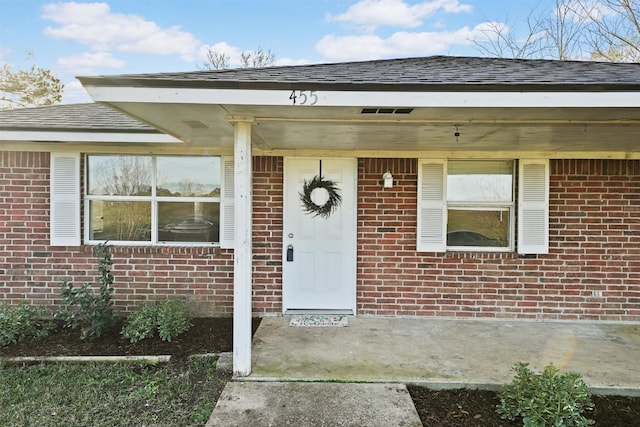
<point>65,199</point>
<point>432,206</point>
<point>533,207</point>
<point>227,197</point>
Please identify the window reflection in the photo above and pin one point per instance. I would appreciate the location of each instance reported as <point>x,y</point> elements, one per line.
<point>480,203</point>
<point>125,198</point>
<point>478,228</point>
<point>188,176</point>
<point>115,220</point>
<point>188,222</point>
<point>119,175</point>
<point>480,181</point>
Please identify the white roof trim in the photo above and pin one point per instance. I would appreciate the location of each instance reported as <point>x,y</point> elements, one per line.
<point>564,99</point>
<point>97,136</point>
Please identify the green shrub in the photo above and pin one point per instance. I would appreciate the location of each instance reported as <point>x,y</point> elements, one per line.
<point>84,308</point>
<point>168,318</point>
<point>547,399</point>
<point>141,324</point>
<point>23,321</point>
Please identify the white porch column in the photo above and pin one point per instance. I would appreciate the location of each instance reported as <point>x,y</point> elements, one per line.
<point>242,257</point>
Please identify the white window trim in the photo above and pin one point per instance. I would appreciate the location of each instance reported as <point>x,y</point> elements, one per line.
<point>529,240</point>
<point>153,200</point>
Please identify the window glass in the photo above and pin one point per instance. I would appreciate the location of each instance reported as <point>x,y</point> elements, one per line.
<point>479,203</point>
<point>120,220</point>
<point>480,181</point>
<point>472,227</point>
<point>125,198</point>
<point>188,222</point>
<point>119,175</point>
<point>188,176</point>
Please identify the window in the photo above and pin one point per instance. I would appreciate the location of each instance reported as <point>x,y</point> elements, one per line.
<point>153,199</point>
<point>480,203</point>
<point>471,205</point>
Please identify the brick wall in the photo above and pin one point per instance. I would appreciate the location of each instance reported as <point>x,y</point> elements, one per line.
<point>32,270</point>
<point>267,234</point>
<point>592,271</point>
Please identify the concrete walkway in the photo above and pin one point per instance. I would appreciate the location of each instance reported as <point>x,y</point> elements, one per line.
<point>446,352</point>
<point>390,352</point>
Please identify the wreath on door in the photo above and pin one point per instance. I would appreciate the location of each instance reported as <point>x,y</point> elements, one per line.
<point>320,196</point>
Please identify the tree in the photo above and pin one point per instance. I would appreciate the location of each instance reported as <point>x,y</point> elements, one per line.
<point>249,59</point>
<point>500,40</point>
<point>614,31</point>
<point>607,30</point>
<point>32,87</point>
<point>257,58</point>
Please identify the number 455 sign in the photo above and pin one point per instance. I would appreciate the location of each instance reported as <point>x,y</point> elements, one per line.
<point>303,97</point>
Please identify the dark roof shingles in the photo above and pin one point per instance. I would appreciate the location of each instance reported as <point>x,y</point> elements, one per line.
<point>88,117</point>
<point>414,72</point>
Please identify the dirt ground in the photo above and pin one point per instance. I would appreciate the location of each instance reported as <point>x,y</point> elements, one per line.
<point>451,408</point>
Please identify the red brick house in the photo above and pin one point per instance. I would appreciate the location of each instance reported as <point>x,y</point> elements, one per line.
<point>512,190</point>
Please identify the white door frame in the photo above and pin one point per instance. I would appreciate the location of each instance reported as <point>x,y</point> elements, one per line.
<point>351,204</point>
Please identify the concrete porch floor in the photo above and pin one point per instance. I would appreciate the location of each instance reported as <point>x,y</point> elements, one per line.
<point>446,353</point>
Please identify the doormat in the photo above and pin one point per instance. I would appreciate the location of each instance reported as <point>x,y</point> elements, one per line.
<point>319,321</point>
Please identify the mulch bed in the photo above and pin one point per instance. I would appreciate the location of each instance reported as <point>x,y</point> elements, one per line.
<point>450,408</point>
<point>207,335</point>
<point>476,408</point>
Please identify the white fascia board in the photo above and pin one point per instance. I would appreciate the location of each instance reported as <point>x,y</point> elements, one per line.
<point>64,136</point>
<point>566,99</point>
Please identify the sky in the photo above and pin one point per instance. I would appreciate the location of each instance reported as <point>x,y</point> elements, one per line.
<point>110,37</point>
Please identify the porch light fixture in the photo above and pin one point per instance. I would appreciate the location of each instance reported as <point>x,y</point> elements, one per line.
<point>387,180</point>
<point>457,134</point>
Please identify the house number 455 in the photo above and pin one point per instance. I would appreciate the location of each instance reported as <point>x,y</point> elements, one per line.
<point>303,97</point>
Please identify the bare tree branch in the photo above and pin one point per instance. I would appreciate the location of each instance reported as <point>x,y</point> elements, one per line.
<point>215,61</point>
<point>249,59</point>
<point>575,29</point>
<point>614,32</point>
<point>502,40</point>
<point>257,58</point>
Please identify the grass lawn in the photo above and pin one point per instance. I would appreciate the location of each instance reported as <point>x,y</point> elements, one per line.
<point>181,393</point>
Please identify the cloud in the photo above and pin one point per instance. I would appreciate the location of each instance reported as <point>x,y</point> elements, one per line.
<point>87,63</point>
<point>366,47</point>
<point>581,10</point>
<point>290,61</point>
<point>397,13</point>
<point>74,93</point>
<point>94,25</point>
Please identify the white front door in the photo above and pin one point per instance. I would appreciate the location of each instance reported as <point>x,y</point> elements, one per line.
<point>320,271</point>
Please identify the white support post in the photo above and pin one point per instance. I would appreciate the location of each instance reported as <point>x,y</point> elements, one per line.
<point>242,257</point>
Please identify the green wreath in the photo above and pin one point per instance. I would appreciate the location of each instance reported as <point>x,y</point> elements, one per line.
<point>335,199</point>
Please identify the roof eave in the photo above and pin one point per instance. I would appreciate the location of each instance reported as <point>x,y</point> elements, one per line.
<point>105,81</point>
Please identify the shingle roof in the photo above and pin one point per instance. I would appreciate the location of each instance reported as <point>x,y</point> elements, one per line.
<point>90,117</point>
<point>427,73</point>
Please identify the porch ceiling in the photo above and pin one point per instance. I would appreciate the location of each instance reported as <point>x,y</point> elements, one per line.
<point>425,129</point>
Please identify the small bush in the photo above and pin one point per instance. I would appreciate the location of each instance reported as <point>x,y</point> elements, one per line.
<point>141,324</point>
<point>547,399</point>
<point>82,307</point>
<point>168,318</point>
<point>23,321</point>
